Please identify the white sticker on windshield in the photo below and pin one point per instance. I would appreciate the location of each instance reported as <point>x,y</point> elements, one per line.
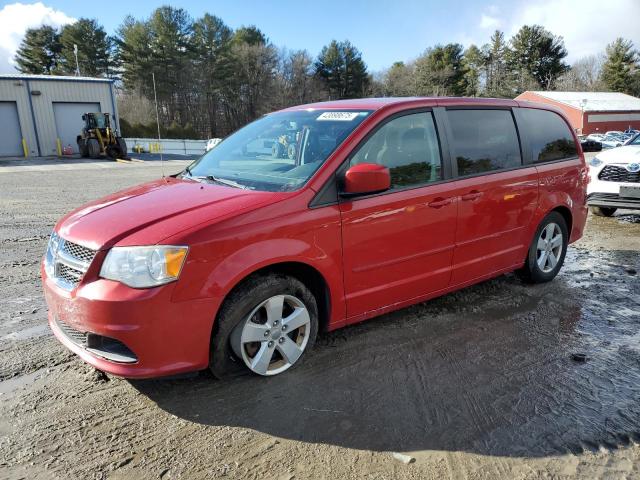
<point>339,116</point>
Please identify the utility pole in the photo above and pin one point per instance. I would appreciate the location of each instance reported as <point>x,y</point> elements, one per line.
<point>155,98</point>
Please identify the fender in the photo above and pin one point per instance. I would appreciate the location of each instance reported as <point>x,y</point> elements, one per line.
<point>217,276</point>
<point>561,185</point>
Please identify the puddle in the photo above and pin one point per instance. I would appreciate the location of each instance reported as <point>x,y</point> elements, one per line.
<point>11,385</point>
<point>628,218</point>
<point>37,331</point>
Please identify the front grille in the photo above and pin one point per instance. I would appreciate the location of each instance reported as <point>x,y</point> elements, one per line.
<point>69,274</point>
<point>67,262</point>
<point>79,252</point>
<point>614,173</point>
<point>105,347</point>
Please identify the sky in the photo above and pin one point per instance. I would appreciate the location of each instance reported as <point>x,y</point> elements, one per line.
<point>384,31</point>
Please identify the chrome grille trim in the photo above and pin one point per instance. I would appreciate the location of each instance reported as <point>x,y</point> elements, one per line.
<point>615,173</point>
<point>107,348</point>
<point>68,261</point>
<point>76,336</point>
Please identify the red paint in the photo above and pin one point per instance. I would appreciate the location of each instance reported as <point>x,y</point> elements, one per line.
<point>367,178</point>
<point>376,253</point>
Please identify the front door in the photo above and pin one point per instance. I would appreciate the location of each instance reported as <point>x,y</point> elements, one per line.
<point>398,245</point>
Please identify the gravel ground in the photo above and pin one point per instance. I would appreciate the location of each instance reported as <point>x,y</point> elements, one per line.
<point>477,384</point>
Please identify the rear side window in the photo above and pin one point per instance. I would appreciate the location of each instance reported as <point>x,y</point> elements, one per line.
<point>484,140</point>
<point>549,136</point>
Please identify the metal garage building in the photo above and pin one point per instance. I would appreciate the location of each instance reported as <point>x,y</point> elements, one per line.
<point>37,111</point>
<point>591,112</point>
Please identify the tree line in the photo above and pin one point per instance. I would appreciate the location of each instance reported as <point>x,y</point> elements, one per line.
<point>212,79</point>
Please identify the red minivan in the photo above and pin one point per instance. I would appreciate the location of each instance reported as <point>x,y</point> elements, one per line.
<point>313,218</point>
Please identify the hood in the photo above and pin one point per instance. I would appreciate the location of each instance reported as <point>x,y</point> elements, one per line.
<point>624,154</point>
<point>104,222</point>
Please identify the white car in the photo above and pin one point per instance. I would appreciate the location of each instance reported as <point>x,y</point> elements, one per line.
<point>597,137</point>
<point>612,140</point>
<point>212,142</point>
<point>615,179</point>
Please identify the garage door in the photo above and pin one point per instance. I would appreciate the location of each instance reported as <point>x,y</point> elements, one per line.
<point>11,138</point>
<point>69,122</point>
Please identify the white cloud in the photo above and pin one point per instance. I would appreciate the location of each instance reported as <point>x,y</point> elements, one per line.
<point>489,22</point>
<point>15,19</point>
<point>585,25</point>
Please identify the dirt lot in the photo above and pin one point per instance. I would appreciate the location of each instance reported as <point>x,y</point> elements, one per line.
<point>478,384</point>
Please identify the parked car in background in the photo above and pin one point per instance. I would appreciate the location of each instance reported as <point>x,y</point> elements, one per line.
<point>212,142</point>
<point>615,179</point>
<point>236,263</point>
<point>597,137</point>
<point>612,140</point>
<point>590,145</point>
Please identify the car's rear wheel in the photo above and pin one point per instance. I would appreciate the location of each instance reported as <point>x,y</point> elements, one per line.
<point>266,325</point>
<point>547,250</point>
<point>603,211</point>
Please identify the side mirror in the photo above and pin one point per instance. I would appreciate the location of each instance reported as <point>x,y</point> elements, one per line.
<point>366,178</point>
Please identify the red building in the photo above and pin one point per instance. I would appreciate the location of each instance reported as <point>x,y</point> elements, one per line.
<point>592,112</point>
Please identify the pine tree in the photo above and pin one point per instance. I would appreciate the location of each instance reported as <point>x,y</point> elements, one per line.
<point>39,51</point>
<point>342,70</point>
<point>95,49</point>
<point>473,62</point>
<point>498,82</point>
<point>538,54</point>
<point>441,71</point>
<point>621,70</point>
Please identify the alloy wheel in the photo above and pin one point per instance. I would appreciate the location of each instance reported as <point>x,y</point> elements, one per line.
<point>273,336</point>
<point>549,247</point>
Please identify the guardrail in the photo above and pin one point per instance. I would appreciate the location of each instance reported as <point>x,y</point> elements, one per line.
<point>169,146</point>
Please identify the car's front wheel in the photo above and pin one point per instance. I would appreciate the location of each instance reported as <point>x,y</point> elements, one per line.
<point>266,325</point>
<point>547,250</point>
<point>603,211</point>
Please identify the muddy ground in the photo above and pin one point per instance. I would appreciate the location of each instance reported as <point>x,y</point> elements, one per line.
<point>477,384</point>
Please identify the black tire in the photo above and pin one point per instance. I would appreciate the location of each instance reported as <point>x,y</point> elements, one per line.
<point>93,148</point>
<point>223,362</point>
<point>291,151</point>
<point>603,211</point>
<point>122,146</point>
<point>82,148</point>
<point>277,151</point>
<point>531,272</point>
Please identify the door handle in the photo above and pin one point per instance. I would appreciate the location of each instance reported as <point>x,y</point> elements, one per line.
<point>439,202</point>
<point>472,195</point>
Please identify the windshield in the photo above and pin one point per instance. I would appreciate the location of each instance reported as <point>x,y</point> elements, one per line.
<point>635,140</point>
<point>278,152</point>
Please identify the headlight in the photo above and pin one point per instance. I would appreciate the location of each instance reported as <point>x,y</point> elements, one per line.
<point>52,248</point>
<point>595,162</point>
<point>143,267</point>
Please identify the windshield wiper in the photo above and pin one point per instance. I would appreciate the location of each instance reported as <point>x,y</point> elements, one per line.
<point>212,178</point>
<point>226,181</point>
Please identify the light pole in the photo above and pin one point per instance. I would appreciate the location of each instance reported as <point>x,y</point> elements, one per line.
<point>75,52</point>
<point>583,103</point>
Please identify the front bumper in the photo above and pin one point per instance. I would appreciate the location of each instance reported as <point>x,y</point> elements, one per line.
<point>161,337</point>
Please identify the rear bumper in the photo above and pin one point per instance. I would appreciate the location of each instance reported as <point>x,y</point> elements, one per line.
<point>612,200</point>
<point>153,336</point>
